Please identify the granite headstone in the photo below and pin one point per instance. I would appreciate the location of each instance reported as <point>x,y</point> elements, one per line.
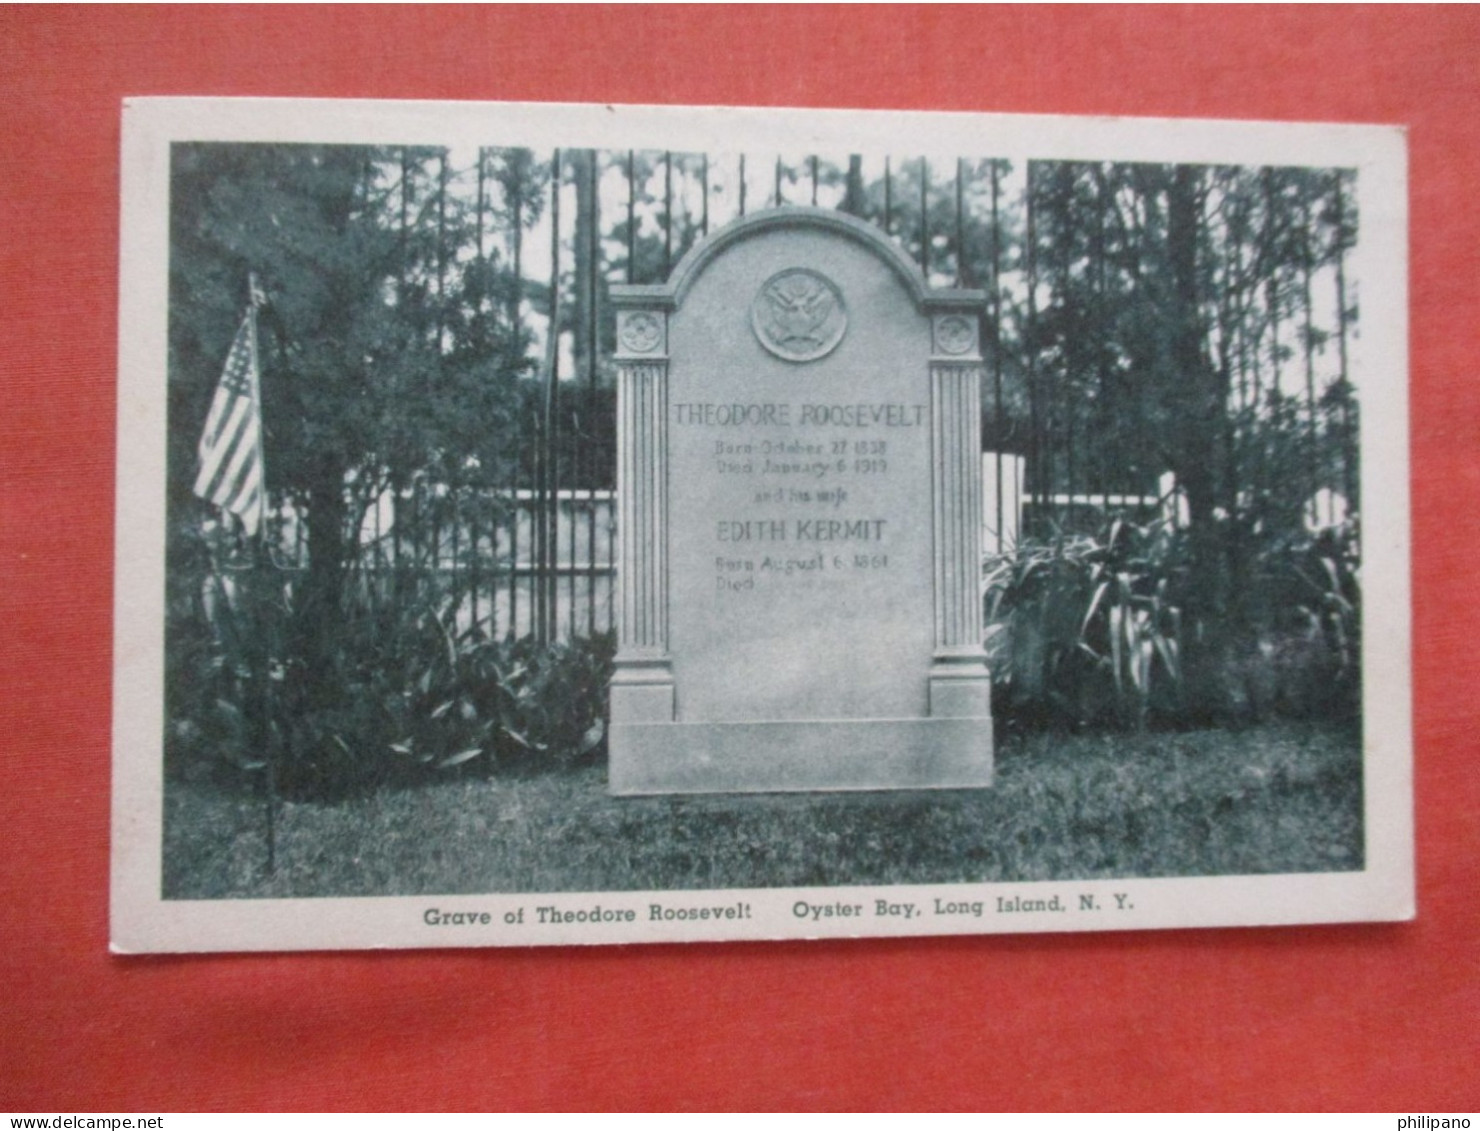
<point>800,491</point>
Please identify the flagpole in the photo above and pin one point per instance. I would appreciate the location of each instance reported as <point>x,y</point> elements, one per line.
<point>255,298</point>
<point>232,476</point>
<point>265,584</point>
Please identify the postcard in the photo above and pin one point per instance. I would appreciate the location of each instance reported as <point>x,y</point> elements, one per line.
<point>566,524</point>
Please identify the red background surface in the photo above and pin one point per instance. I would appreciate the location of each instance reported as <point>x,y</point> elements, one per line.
<point>1366,1016</point>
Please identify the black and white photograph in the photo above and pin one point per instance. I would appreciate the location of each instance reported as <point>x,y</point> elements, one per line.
<point>581,524</point>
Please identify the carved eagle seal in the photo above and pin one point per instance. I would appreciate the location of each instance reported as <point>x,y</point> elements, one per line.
<point>798,314</point>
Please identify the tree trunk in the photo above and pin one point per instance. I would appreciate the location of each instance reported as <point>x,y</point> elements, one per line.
<point>853,196</point>
<point>1030,253</point>
<point>583,243</point>
<point>1350,481</point>
<point>319,601</point>
<point>1198,398</point>
<point>322,591</point>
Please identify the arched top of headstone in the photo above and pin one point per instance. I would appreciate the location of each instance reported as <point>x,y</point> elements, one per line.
<point>671,294</point>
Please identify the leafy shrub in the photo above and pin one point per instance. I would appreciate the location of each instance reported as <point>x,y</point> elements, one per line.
<point>1092,629</point>
<point>209,665</point>
<point>425,700</point>
<point>1087,629</point>
<point>1307,627</point>
<point>402,694</point>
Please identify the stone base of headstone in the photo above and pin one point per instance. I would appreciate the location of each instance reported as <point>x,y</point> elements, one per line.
<point>822,754</point>
<point>641,692</point>
<point>650,753</point>
<point>799,480</point>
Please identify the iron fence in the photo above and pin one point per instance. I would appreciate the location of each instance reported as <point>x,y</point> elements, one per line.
<point>1060,250</point>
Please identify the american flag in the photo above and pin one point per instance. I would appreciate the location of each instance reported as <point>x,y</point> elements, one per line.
<point>231,471</point>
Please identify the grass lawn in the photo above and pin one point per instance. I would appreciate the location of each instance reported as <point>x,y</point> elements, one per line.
<point>1271,799</point>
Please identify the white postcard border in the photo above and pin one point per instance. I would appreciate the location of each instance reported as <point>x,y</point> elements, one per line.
<point>142,921</point>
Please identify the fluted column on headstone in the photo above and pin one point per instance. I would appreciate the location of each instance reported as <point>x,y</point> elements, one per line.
<point>642,686</point>
<point>960,685</point>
